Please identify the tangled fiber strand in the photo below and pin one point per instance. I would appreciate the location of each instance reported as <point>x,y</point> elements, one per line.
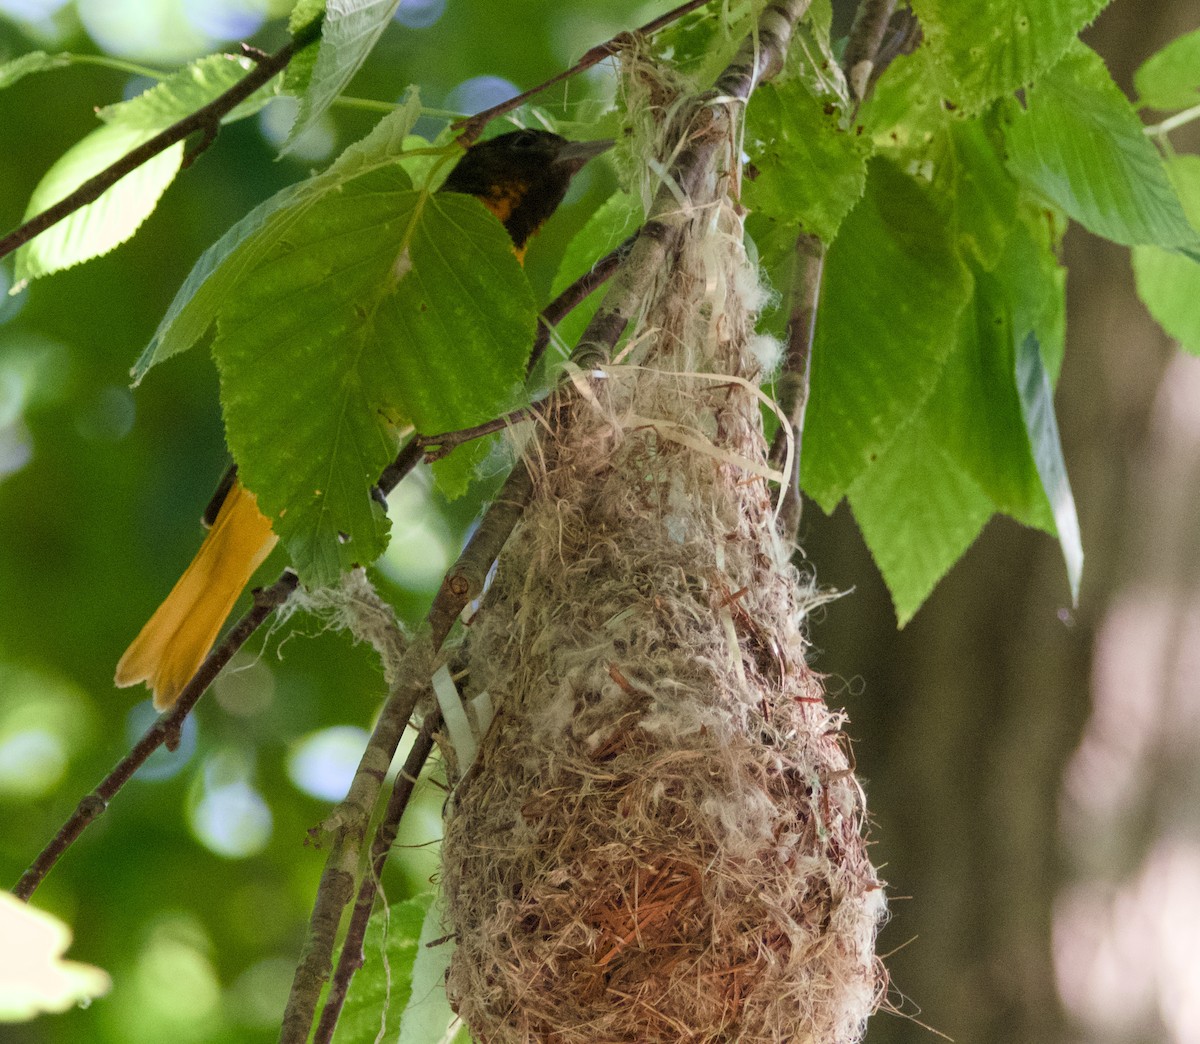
<point>661,838</point>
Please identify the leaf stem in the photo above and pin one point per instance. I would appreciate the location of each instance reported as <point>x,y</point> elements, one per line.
<point>104,61</point>
<point>1180,119</point>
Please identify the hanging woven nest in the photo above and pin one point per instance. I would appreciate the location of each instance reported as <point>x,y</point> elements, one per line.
<point>661,837</point>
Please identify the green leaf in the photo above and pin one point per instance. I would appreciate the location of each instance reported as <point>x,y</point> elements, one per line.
<point>1167,282</point>
<point>972,448</point>
<point>100,226</point>
<point>963,160</point>
<point>304,13</point>
<point>1079,144</point>
<point>27,64</point>
<point>976,414</point>
<point>351,30</point>
<point>1170,78</point>
<point>911,104</point>
<point>610,224</point>
<point>1037,403</point>
<point>383,986</point>
<point>453,474</point>
<point>894,287</point>
<point>701,43</point>
<point>381,305</point>
<point>989,48</point>
<point>298,74</point>
<point>193,87</point>
<point>428,1016</point>
<point>810,172</point>
<point>918,511</point>
<point>216,274</point>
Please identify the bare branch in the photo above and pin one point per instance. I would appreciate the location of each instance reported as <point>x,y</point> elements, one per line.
<point>205,120</point>
<point>866,36</point>
<point>791,389</point>
<point>164,731</point>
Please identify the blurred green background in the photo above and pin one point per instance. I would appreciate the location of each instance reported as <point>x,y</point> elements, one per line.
<point>1031,768</point>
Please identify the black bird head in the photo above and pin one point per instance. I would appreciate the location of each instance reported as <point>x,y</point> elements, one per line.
<point>522,177</point>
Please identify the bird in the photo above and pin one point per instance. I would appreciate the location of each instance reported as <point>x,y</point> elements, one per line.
<point>521,177</point>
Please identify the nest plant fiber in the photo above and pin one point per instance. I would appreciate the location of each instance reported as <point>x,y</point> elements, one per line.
<point>661,837</point>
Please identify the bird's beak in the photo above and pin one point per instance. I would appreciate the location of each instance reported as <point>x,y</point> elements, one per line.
<point>574,154</point>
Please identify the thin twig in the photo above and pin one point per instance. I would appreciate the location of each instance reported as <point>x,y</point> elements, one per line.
<point>405,461</point>
<point>791,389</point>
<point>164,730</point>
<point>869,50</point>
<point>352,956</point>
<point>437,447</point>
<point>472,126</point>
<point>206,119</point>
<point>169,724</point>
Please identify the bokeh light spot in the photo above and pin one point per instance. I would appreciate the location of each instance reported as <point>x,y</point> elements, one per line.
<point>260,993</point>
<point>419,14</point>
<point>479,93</point>
<point>16,448</point>
<point>316,144</point>
<point>322,764</point>
<point>10,304</point>
<point>232,820</point>
<point>163,763</point>
<point>175,984</point>
<point>226,19</point>
<point>144,30</point>
<point>420,550</point>
<point>107,416</point>
<point>32,762</point>
<point>31,10</point>
<point>246,687</point>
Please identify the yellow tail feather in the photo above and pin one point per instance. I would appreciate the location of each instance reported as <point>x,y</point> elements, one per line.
<point>178,636</point>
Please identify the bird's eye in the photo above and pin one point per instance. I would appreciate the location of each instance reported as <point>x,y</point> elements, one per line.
<point>526,139</point>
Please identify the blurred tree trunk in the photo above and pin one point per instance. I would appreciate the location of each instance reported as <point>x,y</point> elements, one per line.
<point>969,716</point>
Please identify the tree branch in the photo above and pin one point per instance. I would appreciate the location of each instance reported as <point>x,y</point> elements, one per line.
<point>352,956</point>
<point>760,57</point>
<point>869,50</point>
<point>164,730</point>
<point>472,126</point>
<point>573,296</point>
<point>866,36</point>
<point>206,120</point>
<point>791,389</point>
<point>347,826</point>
